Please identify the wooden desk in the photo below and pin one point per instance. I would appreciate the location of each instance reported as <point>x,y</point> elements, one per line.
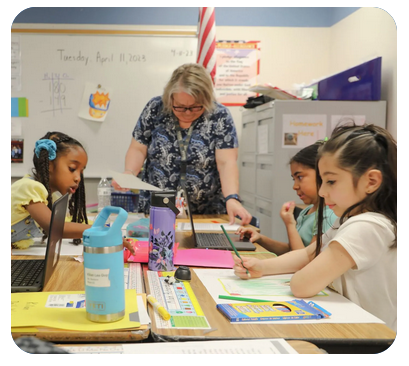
<point>364,337</point>
<point>334,338</point>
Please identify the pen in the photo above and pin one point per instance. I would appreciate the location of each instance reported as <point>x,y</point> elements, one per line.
<point>235,250</point>
<point>158,307</point>
<point>241,299</point>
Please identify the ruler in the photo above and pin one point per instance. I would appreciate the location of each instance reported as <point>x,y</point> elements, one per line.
<point>133,277</point>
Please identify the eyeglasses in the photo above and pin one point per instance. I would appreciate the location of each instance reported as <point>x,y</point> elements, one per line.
<point>191,109</point>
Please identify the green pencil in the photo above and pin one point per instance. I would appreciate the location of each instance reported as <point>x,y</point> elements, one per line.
<point>241,299</point>
<point>235,250</point>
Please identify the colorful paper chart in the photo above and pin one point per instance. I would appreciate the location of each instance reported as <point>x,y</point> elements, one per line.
<point>19,107</point>
<point>179,300</point>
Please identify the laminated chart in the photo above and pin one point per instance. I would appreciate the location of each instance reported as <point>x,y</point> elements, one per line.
<point>259,287</point>
<point>180,302</point>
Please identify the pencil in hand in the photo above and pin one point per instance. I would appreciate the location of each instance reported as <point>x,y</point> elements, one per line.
<point>235,250</point>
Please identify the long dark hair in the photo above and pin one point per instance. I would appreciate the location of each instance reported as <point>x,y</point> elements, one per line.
<point>358,149</point>
<point>308,155</point>
<point>41,174</point>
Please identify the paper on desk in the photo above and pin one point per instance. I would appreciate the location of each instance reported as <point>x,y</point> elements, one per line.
<point>53,310</point>
<point>132,182</point>
<point>248,346</point>
<point>342,309</point>
<point>38,249</point>
<point>204,226</point>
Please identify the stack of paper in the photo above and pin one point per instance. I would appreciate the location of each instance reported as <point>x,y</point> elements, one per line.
<point>272,91</point>
<point>65,310</point>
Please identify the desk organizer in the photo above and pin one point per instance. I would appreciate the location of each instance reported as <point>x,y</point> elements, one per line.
<point>127,200</point>
<point>362,82</point>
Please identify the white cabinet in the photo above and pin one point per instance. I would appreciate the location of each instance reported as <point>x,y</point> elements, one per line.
<point>264,172</point>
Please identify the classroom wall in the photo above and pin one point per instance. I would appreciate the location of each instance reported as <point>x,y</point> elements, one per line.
<point>364,35</point>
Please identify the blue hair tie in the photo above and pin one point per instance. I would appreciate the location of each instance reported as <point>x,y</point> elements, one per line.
<point>48,145</point>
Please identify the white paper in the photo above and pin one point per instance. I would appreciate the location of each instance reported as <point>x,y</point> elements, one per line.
<point>302,130</point>
<point>342,309</point>
<point>16,127</point>
<point>248,346</point>
<point>262,140</point>
<point>38,249</point>
<point>144,318</point>
<point>204,226</point>
<point>131,182</point>
<point>95,102</point>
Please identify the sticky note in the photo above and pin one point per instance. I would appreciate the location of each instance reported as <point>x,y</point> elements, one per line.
<point>19,107</point>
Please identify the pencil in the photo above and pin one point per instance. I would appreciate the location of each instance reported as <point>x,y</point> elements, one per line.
<point>235,250</point>
<point>236,298</point>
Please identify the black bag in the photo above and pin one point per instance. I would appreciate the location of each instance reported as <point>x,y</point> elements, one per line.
<point>253,102</point>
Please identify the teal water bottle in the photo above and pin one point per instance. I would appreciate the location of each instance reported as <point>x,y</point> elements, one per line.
<point>104,267</point>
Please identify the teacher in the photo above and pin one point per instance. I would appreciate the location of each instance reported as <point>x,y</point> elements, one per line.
<point>188,140</point>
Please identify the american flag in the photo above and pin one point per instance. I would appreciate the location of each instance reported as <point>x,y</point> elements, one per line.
<point>206,50</point>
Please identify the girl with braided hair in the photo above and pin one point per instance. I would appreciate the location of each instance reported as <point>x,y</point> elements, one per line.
<point>59,162</point>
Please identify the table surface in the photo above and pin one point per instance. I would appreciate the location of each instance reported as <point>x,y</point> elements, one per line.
<point>69,276</point>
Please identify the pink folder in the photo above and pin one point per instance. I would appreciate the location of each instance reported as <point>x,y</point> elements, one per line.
<point>204,258</point>
<point>184,257</point>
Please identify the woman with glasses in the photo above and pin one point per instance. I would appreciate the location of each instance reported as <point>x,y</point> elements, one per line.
<point>187,141</point>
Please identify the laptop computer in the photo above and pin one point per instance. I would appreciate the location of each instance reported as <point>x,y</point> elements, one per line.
<point>31,275</point>
<point>217,240</point>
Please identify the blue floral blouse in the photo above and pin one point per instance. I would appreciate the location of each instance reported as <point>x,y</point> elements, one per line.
<point>157,131</point>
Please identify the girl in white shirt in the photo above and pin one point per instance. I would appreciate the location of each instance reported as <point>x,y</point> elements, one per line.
<point>356,173</point>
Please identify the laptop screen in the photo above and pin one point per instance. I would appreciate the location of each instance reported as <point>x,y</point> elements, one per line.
<point>55,235</point>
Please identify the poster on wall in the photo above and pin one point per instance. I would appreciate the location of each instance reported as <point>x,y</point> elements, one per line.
<point>17,147</point>
<point>95,102</point>
<point>238,66</point>
<point>302,130</point>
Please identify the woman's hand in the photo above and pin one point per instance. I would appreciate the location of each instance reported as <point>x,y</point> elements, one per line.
<point>234,208</point>
<point>117,187</point>
<point>253,265</point>
<point>287,213</point>
<point>249,232</point>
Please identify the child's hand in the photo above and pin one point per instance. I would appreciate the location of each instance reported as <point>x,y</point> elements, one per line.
<point>287,213</point>
<point>128,244</point>
<point>248,232</point>
<point>252,264</point>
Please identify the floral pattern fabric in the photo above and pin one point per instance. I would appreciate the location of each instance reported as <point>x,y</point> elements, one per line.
<point>157,131</point>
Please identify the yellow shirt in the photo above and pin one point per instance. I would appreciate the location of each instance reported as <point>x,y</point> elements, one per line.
<point>24,191</point>
<point>23,228</point>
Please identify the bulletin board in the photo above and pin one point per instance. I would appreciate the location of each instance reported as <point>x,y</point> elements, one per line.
<point>55,70</point>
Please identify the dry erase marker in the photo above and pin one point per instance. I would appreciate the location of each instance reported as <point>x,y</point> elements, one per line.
<point>235,250</point>
<point>158,307</point>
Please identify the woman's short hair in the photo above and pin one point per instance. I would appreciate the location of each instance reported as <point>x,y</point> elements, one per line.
<point>192,79</point>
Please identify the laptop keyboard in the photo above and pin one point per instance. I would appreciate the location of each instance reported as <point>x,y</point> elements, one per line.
<point>25,272</point>
<point>211,240</point>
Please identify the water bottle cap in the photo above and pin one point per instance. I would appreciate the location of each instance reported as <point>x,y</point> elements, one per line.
<point>162,198</point>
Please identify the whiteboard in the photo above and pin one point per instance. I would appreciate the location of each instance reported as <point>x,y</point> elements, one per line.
<point>55,69</point>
